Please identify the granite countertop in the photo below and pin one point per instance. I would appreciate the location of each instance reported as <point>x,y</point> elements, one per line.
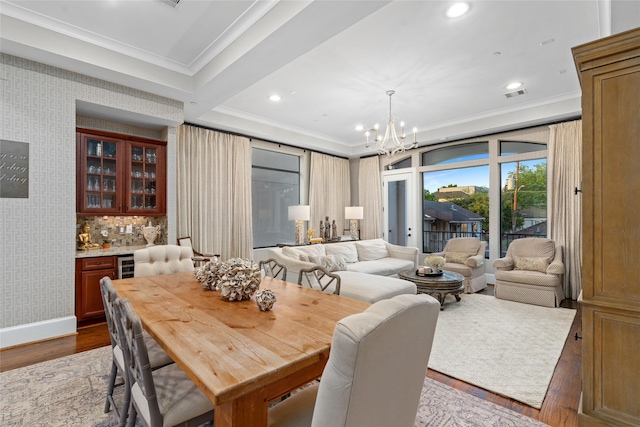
<point>121,250</point>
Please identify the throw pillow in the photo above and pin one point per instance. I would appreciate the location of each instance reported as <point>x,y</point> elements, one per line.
<point>329,262</point>
<point>372,250</point>
<point>347,251</point>
<point>456,257</point>
<point>295,254</point>
<point>531,263</point>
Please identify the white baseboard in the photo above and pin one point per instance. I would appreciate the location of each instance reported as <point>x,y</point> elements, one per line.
<point>37,331</point>
<point>491,278</point>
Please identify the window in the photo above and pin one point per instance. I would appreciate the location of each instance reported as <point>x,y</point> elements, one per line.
<point>455,204</point>
<point>275,185</point>
<point>523,201</point>
<point>402,164</point>
<point>456,153</point>
<point>470,190</point>
<point>511,147</point>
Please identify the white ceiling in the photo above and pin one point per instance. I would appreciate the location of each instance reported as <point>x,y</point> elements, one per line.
<point>330,61</point>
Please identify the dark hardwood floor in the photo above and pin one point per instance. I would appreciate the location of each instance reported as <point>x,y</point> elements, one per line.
<point>560,407</point>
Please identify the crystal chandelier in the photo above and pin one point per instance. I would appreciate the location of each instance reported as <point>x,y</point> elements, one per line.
<point>390,144</point>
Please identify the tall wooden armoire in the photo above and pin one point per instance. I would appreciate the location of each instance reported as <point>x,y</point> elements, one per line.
<point>609,71</point>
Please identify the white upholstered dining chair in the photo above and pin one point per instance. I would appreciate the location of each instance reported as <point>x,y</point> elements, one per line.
<point>162,259</point>
<point>375,372</point>
<point>157,356</point>
<point>161,397</point>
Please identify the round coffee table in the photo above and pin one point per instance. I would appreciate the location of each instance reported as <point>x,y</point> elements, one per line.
<point>437,286</point>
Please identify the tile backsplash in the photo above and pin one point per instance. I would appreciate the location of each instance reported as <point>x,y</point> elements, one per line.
<point>115,224</point>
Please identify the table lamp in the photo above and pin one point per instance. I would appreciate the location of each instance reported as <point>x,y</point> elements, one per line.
<point>298,214</point>
<point>353,214</point>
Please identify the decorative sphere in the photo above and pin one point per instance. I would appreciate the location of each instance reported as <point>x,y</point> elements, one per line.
<point>265,299</point>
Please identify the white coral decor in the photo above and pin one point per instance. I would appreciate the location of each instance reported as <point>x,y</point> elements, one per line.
<point>236,278</point>
<point>265,299</point>
<point>434,261</point>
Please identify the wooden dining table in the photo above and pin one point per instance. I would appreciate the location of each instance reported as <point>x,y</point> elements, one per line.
<point>240,357</point>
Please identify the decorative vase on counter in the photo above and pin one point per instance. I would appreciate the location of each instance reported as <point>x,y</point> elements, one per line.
<point>150,233</point>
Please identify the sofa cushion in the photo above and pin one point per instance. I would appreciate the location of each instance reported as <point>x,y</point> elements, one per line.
<point>371,288</point>
<point>302,253</point>
<point>347,251</point>
<point>382,267</point>
<point>372,250</point>
<point>329,262</point>
<point>457,257</point>
<point>465,244</point>
<point>528,277</point>
<point>465,270</point>
<point>531,263</point>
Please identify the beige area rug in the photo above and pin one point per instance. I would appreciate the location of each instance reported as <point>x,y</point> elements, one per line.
<point>503,346</point>
<point>70,391</point>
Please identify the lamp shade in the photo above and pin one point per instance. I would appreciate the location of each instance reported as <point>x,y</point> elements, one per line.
<point>299,213</point>
<point>353,212</point>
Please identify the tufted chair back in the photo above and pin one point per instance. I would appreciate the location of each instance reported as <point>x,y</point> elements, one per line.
<point>162,259</point>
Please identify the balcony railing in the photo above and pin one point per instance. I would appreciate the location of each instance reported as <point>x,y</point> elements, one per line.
<point>434,241</point>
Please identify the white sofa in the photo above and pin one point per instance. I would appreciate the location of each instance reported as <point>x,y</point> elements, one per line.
<point>365,272</point>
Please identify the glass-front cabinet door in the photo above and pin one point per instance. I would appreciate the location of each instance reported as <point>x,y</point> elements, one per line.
<point>145,183</point>
<point>122,176</point>
<point>99,191</point>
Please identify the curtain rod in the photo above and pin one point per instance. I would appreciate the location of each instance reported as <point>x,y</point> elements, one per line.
<point>264,140</point>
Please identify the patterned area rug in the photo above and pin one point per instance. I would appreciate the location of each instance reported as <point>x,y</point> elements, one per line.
<point>70,391</point>
<point>503,346</point>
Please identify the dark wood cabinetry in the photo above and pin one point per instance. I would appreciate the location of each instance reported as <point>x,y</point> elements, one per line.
<point>609,71</point>
<point>120,174</point>
<point>89,271</point>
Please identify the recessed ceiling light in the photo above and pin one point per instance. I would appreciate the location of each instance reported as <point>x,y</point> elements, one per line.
<point>457,9</point>
<point>359,128</point>
<point>514,85</point>
<point>275,98</point>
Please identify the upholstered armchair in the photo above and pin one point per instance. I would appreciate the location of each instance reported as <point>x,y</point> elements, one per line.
<point>465,255</point>
<point>531,272</point>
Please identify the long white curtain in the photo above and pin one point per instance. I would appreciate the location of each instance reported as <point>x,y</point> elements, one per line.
<point>329,190</point>
<point>214,191</point>
<point>565,224</point>
<point>370,196</point>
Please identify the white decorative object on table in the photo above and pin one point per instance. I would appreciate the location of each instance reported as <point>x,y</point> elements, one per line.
<point>209,275</point>
<point>265,299</point>
<point>435,262</point>
<point>236,278</point>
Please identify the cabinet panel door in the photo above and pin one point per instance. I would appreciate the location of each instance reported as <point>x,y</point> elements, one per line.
<point>613,238</point>
<point>90,303</point>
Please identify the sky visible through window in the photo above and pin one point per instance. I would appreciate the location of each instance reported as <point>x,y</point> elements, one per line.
<point>478,176</point>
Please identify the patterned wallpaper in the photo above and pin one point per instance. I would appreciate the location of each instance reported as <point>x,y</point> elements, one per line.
<point>37,234</point>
